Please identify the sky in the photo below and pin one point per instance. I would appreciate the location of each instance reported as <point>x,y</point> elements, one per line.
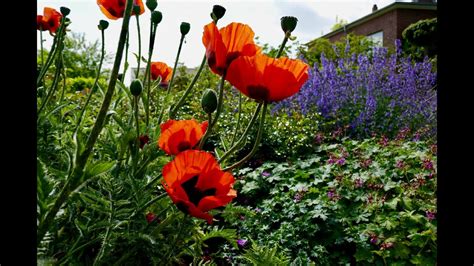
<point>315,18</point>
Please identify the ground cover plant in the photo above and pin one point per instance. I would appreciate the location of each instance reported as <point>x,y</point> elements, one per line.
<point>232,164</point>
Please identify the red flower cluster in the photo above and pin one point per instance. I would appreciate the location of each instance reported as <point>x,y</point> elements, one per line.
<point>160,69</point>
<point>50,20</point>
<point>231,51</point>
<point>193,180</point>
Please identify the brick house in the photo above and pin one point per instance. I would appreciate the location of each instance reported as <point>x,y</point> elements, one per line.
<point>385,25</point>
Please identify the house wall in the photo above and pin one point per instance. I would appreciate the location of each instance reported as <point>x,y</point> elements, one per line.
<point>392,23</point>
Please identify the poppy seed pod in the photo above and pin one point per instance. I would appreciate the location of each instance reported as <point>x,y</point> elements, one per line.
<point>288,24</point>
<point>185,27</point>
<point>136,87</point>
<point>151,4</point>
<point>217,12</point>
<point>209,101</point>
<point>64,10</point>
<point>103,25</point>
<point>136,10</point>
<point>156,17</point>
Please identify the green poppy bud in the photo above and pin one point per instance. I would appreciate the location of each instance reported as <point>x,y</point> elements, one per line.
<point>217,12</point>
<point>136,87</point>
<point>103,25</point>
<point>64,10</point>
<point>151,4</point>
<point>156,17</point>
<point>209,101</point>
<point>185,27</point>
<point>288,24</point>
<point>136,10</point>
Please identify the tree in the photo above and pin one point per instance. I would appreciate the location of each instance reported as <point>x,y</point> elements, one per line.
<point>339,24</point>
<point>421,38</point>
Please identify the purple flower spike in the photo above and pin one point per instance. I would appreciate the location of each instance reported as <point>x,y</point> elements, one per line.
<point>242,242</point>
<point>430,215</point>
<point>266,174</point>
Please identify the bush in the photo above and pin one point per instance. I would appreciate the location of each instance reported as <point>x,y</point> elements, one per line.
<point>365,202</point>
<point>382,94</point>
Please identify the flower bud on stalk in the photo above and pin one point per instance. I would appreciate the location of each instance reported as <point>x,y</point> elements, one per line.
<point>156,17</point>
<point>151,4</point>
<point>136,87</point>
<point>136,9</point>
<point>217,12</point>
<point>64,10</point>
<point>209,101</point>
<point>103,25</point>
<point>184,28</point>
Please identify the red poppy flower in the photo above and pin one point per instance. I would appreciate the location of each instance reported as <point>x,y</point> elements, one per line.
<point>267,79</point>
<point>160,69</point>
<point>50,20</point>
<point>180,135</point>
<point>114,9</point>
<point>196,184</point>
<point>226,44</point>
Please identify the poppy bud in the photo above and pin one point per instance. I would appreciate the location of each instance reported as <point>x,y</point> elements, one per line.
<point>136,87</point>
<point>288,24</point>
<point>217,12</point>
<point>64,10</point>
<point>185,27</point>
<point>151,4</point>
<point>136,9</point>
<point>156,17</point>
<point>209,101</point>
<point>103,25</point>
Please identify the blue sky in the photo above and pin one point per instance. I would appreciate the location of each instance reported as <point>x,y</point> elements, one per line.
<point>314,19</point>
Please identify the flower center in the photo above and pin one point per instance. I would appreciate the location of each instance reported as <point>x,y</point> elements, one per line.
<point>195,195</point>
<point>184,145</point>
<point>258,93</point>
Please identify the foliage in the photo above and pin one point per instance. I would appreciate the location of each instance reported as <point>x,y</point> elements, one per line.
<point>365,202</point>
<point>339,24</point>
<point>383,94</point>
<point>421,38</point>
<point>313,51</point>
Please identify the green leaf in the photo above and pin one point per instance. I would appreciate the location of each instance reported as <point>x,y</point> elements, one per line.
<point>98,168</point>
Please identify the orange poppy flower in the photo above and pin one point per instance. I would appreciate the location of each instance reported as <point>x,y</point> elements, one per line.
<point>180,135</point>
<point>196,184</point>
<point>160,69</point>
<point>50,20</point>
<point>114,9</point>
<point>226,44</point>
<point>267,79</point>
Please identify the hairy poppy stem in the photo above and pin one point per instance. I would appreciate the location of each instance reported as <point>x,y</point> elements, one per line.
<point>282,47</point>
<point>237,125</point>
<point>41,45</point>
<point>125,65</point>
<point>175,108</point>
<point>147,77</point>
<point>250,125</point>
<point>220,100</point>
<point>81,160</point>
<point>102,55</point>
<point>257,141</point>
<point>53,52</point>
<point>136,99</point>
<point>170,84</point>
<point>139,46</point>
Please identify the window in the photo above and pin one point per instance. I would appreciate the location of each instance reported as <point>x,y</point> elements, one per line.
<point>377,38</point>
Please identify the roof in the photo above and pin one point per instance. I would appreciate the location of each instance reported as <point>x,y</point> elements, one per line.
<point>380,12</point>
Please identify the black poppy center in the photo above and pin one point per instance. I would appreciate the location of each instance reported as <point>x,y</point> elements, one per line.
<point>231,57</point>
<point>184,145</point>
<point>259,93</point>
<point>194,194</point>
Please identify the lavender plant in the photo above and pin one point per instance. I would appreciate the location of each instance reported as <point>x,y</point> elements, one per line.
<point>371,93</point>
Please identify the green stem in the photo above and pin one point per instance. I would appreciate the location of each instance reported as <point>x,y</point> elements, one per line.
<point>81,160</point>
<point>237,125</point>
<point>282,47</point>
<point>125,64</point>
<point>175,108</point>
<point>257,141</point>
<point>251,123</point>
<point>54,86</point>
<point>147,76</point>
<point>95,83</point>
<point>136,116</point>
<point>41,46</point>
<point>220,100</point>
<point>139,46</point>
<point>52,54</point>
